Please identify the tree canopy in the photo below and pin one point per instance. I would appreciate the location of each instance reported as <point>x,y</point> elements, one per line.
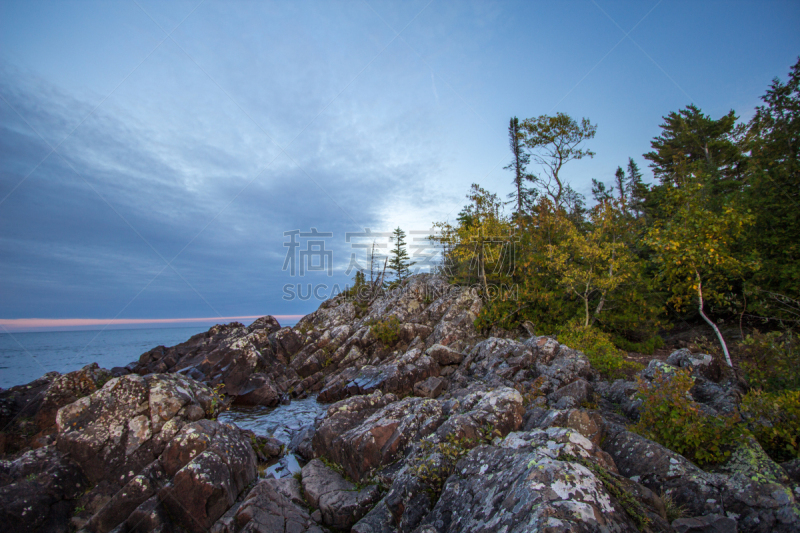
<point>715,237</point>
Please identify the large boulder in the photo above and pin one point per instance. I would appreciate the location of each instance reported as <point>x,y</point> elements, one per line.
<point>479,413</point>
<point>341,503</point>
<point>28,412</point>
<point>117,431</point>
<point>268,508</point>
<point>249,362</point>
<point>345,415</point>
<point>545,480</point>
<point>142,442</point>
<point>363,437</point>
<point>209,483</point>
<point>382,437</point>
<point>700,364</point>
<point>68,388</point>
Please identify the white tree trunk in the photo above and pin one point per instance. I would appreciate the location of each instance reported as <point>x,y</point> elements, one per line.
<point>710,323</point>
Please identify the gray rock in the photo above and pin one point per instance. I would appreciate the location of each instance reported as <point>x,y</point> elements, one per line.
<point>712,523</point>
<point>118,430</point>
<point>266,510</point>
<point>700,364</point>
<point>398,377</point>
<point>723,398</point>
<point>622,396</point>
<point>444,355</point>
<point>301,443</point>
<point>654,367</point>
<point>258,390</point>
<point>221,464</point>
<point>430,388</point>
<point>339,501</point>
<point>379,439</point>
<point>525,484</point>
<point>588,423</point>
<point>579,391</point>
<point>150,516</point>
<point>234,356</point>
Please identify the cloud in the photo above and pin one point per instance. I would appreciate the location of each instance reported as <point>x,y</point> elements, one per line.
<point>126,193</point>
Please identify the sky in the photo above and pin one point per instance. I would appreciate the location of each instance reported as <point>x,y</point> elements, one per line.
<point>154,156</point>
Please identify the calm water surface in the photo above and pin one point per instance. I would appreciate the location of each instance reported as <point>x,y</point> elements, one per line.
<point>27,356</point>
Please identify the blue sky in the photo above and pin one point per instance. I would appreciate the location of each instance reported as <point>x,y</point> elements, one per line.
<point>154,153</point>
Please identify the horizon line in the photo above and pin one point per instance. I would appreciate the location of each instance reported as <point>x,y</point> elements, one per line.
<point>18,324</point>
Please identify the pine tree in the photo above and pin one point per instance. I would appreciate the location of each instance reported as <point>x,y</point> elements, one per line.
<point>518,165</point>
<point>773,195</point>
<point>622,187</point>
<point>399,261</point>
<point>689,137</point>
<point>637,190</point>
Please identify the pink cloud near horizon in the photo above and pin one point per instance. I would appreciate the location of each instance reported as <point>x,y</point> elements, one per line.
<point>38,323</point>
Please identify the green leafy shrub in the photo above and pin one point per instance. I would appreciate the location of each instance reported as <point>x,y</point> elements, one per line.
<point>505,314</point>
<point>669,417</point>
<point>599,349</point>
<point>647,347</point>
<point>771,361</point>
<point>218,402</point>
<point>774,420</point>
<point>387,331</point>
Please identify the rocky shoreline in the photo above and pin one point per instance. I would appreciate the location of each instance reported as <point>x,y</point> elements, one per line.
<point>429,427</point>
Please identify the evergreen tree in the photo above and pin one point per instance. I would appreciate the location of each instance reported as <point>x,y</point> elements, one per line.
<point>690,137</point>
<point>637,190</point>
<point>399,261</point>
<point>622,186</point>
<point>518,165</point>
<point>773,195</point>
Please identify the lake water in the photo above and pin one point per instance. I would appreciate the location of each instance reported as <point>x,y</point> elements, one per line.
<point>27,356</point>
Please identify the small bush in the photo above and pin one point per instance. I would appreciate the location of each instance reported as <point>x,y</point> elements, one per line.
<point>647,347</point>
<point>439,460</point>
<point>774,420</point>
<point>218,403</point>
<point>669,417</point>
<point>771,361</point>
<point>387,331</point>
<point>673,510</point>
<point>599,349</point>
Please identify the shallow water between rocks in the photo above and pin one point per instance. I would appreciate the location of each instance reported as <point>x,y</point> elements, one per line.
<point>281,422</point>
